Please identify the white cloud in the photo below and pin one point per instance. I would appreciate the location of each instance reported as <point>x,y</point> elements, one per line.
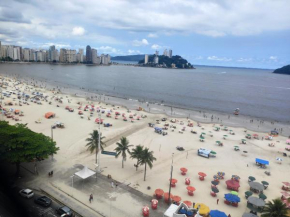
<point>156,47</point>
<point>133,52</point>
<point>143,42</point>
<point>109,50</point>
<point>215,58</point>
<point>152,35</point>
<point>78,30</point>
<point>273,58</point>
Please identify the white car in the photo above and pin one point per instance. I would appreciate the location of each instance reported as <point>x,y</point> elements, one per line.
<point>27,193</point>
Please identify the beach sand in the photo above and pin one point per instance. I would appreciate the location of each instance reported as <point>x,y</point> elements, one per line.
<point>71,141</point>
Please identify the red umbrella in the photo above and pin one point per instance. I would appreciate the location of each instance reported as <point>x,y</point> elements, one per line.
<point>202,174</point>
<point>255,135</point>
<point>183,169</point>
<point>176,199</point>
<point>166,195</point>
<point>232,184</point>
<point>188,203</point>
<point>190,188</point>
<point>286,183</point>
<point>285,194</point>
<point>173,181</point>
<point>159,192</point>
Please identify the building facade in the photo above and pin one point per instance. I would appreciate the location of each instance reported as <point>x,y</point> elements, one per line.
<point>89,54</point>
<point>146,59</point>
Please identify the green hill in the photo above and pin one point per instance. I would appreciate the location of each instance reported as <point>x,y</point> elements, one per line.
<point>165,61</point>
<point>284,70</point>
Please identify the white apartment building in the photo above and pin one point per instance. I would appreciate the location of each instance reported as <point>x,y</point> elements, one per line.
<point>146,59</point>
<point>3,52</point>
<point>71,56</point>
<point>156,60</point>
<point>94,56</point>
<point>26,54</point>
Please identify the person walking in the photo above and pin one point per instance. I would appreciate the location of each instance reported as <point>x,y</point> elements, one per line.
<point>217,201</point>
<point>91,198</point>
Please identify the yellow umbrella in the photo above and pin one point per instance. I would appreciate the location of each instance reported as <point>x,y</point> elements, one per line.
<point>203,210</point>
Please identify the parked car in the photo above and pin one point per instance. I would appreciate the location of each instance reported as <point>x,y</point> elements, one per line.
<point>27,193</point>
<point>64,210</point>
<point>43,201</point>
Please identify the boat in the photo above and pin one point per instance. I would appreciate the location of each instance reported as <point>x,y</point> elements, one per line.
<point>237,111</point>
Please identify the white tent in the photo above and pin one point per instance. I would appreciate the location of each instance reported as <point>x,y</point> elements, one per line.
<point>85,173</point>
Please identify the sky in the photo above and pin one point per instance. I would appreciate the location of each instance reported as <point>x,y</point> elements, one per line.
<point>235,33</point>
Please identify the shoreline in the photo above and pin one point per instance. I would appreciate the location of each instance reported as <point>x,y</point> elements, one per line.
<point>201,115</point>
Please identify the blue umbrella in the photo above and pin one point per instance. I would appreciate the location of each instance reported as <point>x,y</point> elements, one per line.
<point>232,198</point>
<point>217,213</point>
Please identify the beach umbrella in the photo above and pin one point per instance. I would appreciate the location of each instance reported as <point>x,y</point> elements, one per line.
<point>201,137</point>
<point>213,152</point>
<point>202,174</point>
<point>183,169</point>
<point>232,198</point>
<point>249,215</point>
<point>188,203</point>
<point>255,135</point>
<point>218,142</point>
<point>215,190</point>
<point>234,193</point>
<point>245,152</point>
<point>225,135</point>
<point>288,141</point>
<point>257,186</point>
<point>248,193</point>
<point>248,134</point>
<point>166,195</point>
<point>159,192</point>
<point>220,173</point>
<point>252,178</point>
<point>232,184</point>
<point>173,181</point>
<point>217,213</point>
<point>190,188</point>
<point>214,183</point>
<point>265,183</point>
<point>285,194</point>
<point>256,201</point>
<point>176,199</point>
<point>262,196</point>
<point>203,209</point>
<point>216,177</point>
<point>244,140</point>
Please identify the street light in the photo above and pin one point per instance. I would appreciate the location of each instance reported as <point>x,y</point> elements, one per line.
<point>169,199</point>
<point>99,144</point>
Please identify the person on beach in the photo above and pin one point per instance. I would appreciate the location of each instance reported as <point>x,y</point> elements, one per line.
<point>217,201</point>
<point>91,198</point>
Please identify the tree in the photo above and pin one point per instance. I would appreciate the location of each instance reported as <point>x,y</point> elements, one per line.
<point>19,144</point>
<point>147,158</point>
<point>93,143</point>
<point>136,154</point>
<point>275,209</point>
<point>123,148</point>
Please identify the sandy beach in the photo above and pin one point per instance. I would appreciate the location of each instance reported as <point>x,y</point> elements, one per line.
<point>71,141</point>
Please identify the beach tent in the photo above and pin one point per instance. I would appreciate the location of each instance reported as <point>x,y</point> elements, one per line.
<point>85,173</point>
<point>263,162</point>
<point>170,211</point>
<point>49,115</point>
<point>203,152</point>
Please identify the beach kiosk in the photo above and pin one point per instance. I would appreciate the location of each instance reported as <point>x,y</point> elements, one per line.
<point>203,152</point>
<point>262,163</point>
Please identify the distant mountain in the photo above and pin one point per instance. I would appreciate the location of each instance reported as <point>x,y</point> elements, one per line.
<point>284,70</point>
<point>136,58</point>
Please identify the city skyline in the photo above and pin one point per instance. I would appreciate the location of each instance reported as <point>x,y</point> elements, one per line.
<point>223,33</point>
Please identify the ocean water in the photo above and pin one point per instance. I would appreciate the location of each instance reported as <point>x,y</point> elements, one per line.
<point>258,93</point>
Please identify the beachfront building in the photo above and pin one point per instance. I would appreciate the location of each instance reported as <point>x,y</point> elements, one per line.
<point>62,56</point>
<point>3,52</point>
<point>51,53</point>
<point>89,54</point>
<point>157,53</point>
<point>165,53</point>
<point>26,55</point>
<point>10,51</point>
<point>146,59</point>
<point>81,55</point>
<point>71,56</point>
<point>95,56</point>
<point>16,53</point>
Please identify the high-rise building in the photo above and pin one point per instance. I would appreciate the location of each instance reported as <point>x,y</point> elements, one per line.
<point>89,54</point>
<point>94,56</point>
<point>10,49</point>
<point>156,59</point>
<point>71,56</point>
<point>146,59</point>
<point>62,56</point>
<point>16,53</point>
<point>165,53</point>
<point>0,50</point>
<point>4,51</point>
<point>81,52</point>
<point>26,54</point>
<point>170,53</point>
<point>51,53</point>
<point>157,53</point>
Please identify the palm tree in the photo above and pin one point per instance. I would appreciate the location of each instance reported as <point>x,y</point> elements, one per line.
<point>275,209</point>
<point>93,142</point>
<point>136,154</point>
<point>122,148</point>
<point>147,158</point>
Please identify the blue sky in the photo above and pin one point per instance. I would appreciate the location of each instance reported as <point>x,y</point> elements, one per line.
<point>243,33</point>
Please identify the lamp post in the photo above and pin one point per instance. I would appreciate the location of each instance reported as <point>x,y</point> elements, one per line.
<point>99,144</point>
<point>169,199</point>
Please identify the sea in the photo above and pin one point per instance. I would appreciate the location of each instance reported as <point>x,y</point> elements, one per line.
<point>256,92</point>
